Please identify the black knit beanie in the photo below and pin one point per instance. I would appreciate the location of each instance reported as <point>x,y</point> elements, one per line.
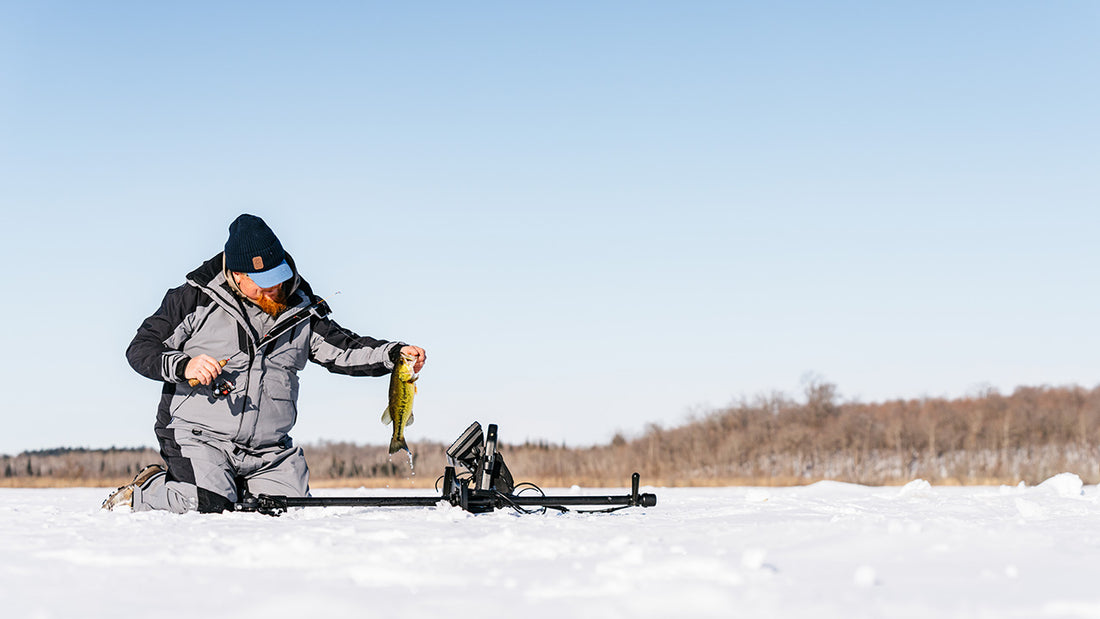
<point>252,246</point>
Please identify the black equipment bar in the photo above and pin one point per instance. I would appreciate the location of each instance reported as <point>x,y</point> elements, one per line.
<point>634,499</point>
<point>472,500</point>
<point>491,489</point>
<point>274,504</point>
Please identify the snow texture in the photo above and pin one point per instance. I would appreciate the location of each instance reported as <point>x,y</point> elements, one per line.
<point>823,551</point>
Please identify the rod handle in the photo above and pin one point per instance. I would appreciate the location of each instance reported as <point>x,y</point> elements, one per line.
<point>194,382</point>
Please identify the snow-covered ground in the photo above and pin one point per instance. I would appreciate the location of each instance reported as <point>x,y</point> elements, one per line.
<point>822,551</point>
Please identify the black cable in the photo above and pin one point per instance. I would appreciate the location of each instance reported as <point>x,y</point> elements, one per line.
<point>461,478</point>
<point>519,508</point>
<point>530,486</point>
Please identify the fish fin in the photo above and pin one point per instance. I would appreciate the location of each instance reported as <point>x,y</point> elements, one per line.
<point>410,421</point>
<point>387,418</point>
<point>397,444</point>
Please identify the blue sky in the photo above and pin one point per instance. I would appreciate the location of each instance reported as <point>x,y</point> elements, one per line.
<point>595,216</point>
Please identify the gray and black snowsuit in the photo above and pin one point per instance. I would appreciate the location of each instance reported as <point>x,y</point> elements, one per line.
<point>213,445</point>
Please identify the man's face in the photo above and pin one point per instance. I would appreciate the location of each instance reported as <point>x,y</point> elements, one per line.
<point>270,299</point>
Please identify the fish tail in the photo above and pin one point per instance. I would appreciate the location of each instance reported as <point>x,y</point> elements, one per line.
<point>397,444</point>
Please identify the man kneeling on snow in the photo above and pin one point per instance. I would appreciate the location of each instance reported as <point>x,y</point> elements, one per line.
<point>225,430</point>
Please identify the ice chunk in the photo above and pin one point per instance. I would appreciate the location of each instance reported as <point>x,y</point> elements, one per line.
<point>1064,484</point>
<point>917,486</point>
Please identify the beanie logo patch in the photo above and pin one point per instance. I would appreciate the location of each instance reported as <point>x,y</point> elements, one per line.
<point>258,263</point>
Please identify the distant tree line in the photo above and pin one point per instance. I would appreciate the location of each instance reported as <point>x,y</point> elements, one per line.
<point>1030,435</point>
<point>74,466</point>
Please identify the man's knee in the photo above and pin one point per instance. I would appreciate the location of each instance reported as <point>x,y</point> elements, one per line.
<point>200,484</point>
<point>286,475</point>
<point>210,502</point>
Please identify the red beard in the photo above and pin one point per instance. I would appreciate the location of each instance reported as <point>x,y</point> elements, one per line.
<point>273,306</point>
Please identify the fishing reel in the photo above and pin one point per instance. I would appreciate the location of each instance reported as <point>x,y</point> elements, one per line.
<point>222,387</point>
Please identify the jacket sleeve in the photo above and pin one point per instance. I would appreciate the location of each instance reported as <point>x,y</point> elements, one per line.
<point>341,351</point>
<point>155,350</point>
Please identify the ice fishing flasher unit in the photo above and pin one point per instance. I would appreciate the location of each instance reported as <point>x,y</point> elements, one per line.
<point>485,484</point>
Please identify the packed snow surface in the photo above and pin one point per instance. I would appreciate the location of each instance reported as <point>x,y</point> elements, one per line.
<point>822,551</point>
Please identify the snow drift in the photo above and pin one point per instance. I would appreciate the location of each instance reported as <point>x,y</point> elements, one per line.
<point>825,550</point>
